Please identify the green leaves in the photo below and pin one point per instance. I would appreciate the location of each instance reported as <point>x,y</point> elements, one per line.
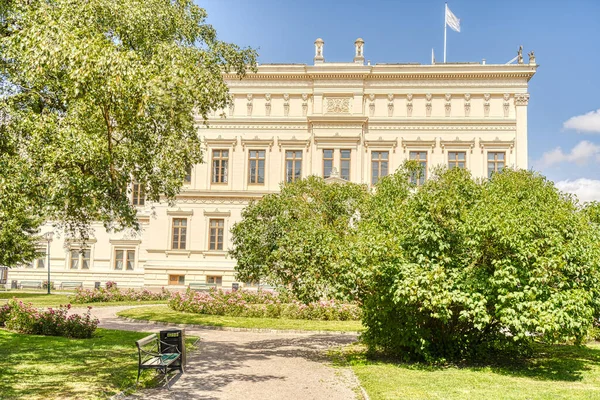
<point>96,95</point>
<point>296,238</point>
<point>475,267</point>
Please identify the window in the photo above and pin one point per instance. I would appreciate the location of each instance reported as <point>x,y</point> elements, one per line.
<point>418,177</point>
<point>216,234</point>
<point>496,162</point>
<point>256,167</point>
<point>39,263</point>
<point>179,233</point>
<point>217,280</point>
<point>327,163</point>
<point>80,258</point>
<point>219,166</point>
<point>137,195</point>
<point>124,258</point>
<point>176,279</point>
<point>379,165</point>
<point>456,159</point>
<point>187,179</point>
<point>293,165</point>
<point>345,164</point>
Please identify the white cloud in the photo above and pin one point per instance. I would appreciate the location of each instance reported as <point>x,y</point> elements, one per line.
<point>585,189</point>
<point>589,122</point>
<point>581,154</point>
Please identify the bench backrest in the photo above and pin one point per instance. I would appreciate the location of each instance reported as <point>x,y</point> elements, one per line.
<point>145,341</point>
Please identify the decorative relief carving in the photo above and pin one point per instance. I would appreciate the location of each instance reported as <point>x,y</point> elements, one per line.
<point>428,104</point>
<point>390,98</point>
<point>371,104</point>
<point>249,104</point>
<point>286,104</point>
<point>448,105</point>
<point>268,104</point>
<point>486,104</point>
<point>304,104</point>
<point>521,99</point>
<point>338,105</point>
<point>409,104</point>
<point>506,104</point>
<point>467,104</point>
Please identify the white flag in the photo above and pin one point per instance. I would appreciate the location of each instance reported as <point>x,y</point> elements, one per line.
<point>452,21</point>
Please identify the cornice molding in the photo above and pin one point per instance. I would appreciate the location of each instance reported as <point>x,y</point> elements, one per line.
<point>323,141</point>
<point>457,144</point>
<point>219,141</point>
<point>381,143</point>
<point>496,144</point>
<point>418,143</point>
<point>180,213</point>
<point>217,213</point>
<point>256,142</point>
<point>293,143</point>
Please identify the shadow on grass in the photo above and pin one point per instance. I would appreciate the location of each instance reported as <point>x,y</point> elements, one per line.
<point>549,362</point>
<point>46,367</point>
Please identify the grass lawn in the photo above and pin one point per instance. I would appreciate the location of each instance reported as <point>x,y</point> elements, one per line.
<point>49,367</point>
<point>555,372</point>
<point>40,299</point>
<point>164,314</point>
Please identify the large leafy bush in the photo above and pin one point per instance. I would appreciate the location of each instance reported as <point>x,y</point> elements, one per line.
<point>458,268</point>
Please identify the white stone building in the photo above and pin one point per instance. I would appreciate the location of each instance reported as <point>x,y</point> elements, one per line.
<point>293,120</point>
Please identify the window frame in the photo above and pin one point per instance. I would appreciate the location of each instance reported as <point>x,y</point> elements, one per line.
<point>179,228</point>
<point>124,259</point>
<point>495,161</point>
<point>379,162</point>
<point>180,282</point>
<point>294,160</point>
<point>422,179</point>
<point>138,195</point>
<point>218,279</point>
<point>329,160</point>
<point>222,177</point>
<point>81,251</point>
<point>349,160</point>
<point>187,179</point>
<point>456,160</point>
<point>257,160</point>
<point>216,235</point>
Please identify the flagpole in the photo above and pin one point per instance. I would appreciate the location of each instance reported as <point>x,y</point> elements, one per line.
<point>445,26</point>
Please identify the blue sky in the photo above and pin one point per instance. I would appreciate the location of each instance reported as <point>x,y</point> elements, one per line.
<point>564,36</point>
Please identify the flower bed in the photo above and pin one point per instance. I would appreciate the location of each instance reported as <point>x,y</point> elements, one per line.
<point>24,318</point>
<point>260,304</point>
<point>112,293</point>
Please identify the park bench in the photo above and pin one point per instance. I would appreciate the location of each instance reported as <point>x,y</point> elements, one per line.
<point>155,354</point>
<point>201,286</point>
<point>71,285</point>
<point>30,284</point>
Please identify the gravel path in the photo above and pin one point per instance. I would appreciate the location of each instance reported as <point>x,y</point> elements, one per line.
<point>251,365</point>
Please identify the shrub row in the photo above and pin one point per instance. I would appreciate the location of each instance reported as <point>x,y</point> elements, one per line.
<point>112,293</point>
<point>260,304</point>
<point>24,318</point>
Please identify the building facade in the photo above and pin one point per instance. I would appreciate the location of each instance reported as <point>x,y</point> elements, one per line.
<point>352,121</point>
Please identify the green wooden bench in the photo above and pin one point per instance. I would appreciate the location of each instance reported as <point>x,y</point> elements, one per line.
<point>71,285</point>
<point>151,357</point>
<point>30,284</point>
<point>201,286</point>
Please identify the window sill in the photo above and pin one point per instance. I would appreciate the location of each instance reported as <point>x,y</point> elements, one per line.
<point>215,253</point>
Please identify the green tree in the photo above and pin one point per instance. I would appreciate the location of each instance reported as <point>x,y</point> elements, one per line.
<point>458,268</point>
<point>296,238</point>
<point>98,94</point>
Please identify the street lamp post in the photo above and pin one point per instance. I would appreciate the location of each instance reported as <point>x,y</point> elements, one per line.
<point>48,237</point>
